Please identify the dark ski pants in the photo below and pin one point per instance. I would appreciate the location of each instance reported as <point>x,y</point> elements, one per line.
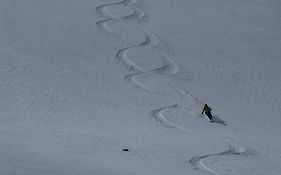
<point>209,115</point>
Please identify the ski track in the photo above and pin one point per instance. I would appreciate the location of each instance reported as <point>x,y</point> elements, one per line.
<point>234,150</point>
<point>102,10</point>
<point>121,55</point>
<point>168,67</point>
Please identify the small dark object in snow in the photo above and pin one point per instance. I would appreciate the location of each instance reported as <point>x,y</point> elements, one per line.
<point>127,150</point>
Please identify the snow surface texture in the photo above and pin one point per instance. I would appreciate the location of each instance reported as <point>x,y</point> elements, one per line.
<point>83,80</point>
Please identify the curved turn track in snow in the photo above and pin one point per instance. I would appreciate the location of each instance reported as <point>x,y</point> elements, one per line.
<point>168,67</point>
<point>234,149</point>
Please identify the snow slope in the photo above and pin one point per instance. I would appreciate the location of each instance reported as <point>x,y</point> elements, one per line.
<point>82,80</point>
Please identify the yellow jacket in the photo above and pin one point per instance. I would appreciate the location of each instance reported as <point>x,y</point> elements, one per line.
<point>206,109</point>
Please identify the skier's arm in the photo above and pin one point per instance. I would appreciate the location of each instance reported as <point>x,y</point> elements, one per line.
<point>203,111</point>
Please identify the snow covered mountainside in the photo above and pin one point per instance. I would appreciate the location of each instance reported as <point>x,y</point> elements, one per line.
<point>83,80</point>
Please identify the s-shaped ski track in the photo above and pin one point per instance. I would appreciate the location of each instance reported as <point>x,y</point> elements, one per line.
<point>168,67</point>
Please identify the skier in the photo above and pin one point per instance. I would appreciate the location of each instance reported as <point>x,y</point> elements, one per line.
<point>207,111</point>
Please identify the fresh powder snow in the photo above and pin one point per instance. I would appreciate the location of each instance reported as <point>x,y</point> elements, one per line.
<point>117,87</point>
